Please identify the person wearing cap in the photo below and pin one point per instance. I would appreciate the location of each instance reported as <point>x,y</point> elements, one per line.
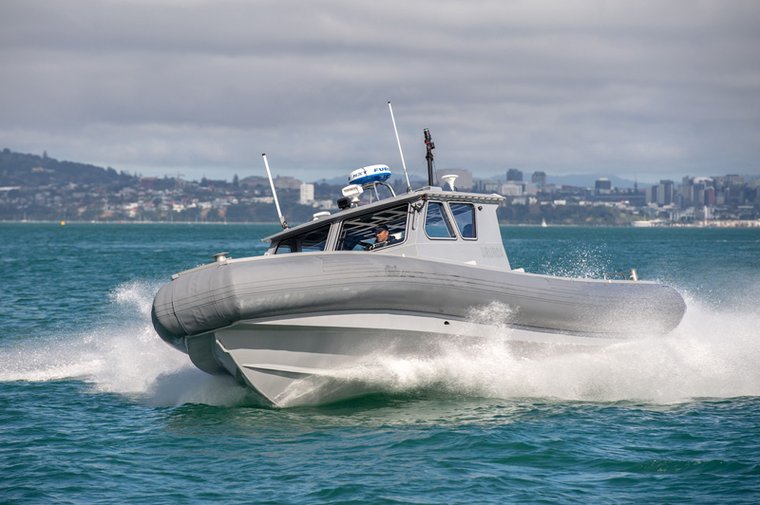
<point>382,237</point>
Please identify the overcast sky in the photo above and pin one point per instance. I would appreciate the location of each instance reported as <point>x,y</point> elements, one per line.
<point>645,89</point>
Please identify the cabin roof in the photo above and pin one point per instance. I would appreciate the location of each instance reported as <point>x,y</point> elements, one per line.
<point>433,193</point>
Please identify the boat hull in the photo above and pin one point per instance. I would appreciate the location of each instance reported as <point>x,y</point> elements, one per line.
<point>295,328</point>
<point>328,357</point>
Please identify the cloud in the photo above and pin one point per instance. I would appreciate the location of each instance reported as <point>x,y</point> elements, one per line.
<point>203,87</point>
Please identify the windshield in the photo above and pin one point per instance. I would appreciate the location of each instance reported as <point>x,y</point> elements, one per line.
<point>359,232</point>
<point>310,241</point>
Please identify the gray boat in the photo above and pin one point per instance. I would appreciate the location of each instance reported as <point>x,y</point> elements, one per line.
<point>400,275</point>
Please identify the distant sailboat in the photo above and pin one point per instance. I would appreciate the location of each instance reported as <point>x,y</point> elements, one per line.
<point>543,223</point>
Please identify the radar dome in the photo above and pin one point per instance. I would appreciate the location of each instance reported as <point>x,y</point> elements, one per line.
<point>370,175</point>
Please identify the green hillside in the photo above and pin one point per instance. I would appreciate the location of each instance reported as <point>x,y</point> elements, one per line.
<point>30,170</point>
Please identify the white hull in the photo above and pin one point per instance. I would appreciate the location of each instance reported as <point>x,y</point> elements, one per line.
<point>320,358</point>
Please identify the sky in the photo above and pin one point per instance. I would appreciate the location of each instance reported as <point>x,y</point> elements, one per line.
<point>200,88</point>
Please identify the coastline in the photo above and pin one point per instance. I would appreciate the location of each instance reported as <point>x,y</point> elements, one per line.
<point>702,224</point>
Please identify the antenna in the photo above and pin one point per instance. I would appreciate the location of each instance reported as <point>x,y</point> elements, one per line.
<point>283,223</point>
<point>429,145</point>
<point>398,141</point>
<point>450,180</point>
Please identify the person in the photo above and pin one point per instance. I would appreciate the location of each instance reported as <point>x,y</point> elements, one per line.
<point>382,237</point>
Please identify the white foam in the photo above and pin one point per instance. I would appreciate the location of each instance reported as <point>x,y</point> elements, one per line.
<point>713,353</point>
<point>123,356</point>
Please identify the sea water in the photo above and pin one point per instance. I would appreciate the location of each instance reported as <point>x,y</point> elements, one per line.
<point>96,408</point>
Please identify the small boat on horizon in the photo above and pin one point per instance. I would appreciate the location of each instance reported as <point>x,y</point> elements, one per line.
<point>647,223</point>
<point>389,276</point>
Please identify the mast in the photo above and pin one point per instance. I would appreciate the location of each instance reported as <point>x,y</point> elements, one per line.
<point>429,145</point>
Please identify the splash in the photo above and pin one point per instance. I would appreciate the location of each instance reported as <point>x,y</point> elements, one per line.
<point>582,261</point>
<point>713,353</point>
<point>122,356</point>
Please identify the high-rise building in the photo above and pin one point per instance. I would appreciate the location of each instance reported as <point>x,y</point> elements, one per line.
<point>306,194</point>
<point>662,193</point>
<point>652,193</point>
<point>539,179</point>
<point>603,186</point>
<point>665,192</point>
<point>686,192</point>
<point>710,197</point>
<point>514,175</point>
<point>703,192</point>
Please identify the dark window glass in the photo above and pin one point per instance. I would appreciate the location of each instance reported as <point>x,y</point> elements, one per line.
<point>464,215</point>
<point>436,223</point>
<point>358,233</point>
<point>314,240</point>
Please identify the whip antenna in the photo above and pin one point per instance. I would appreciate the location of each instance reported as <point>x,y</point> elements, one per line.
<point>398,141</point>
<point>283,223</point>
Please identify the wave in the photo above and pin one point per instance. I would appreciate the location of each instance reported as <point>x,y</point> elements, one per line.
<point>123,355</point>
<point>715,352</point>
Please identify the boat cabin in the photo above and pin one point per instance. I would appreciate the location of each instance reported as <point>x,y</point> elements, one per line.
<point>429,223</point>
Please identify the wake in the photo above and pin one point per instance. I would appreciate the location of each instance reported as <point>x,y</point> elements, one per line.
<point>124,355</point>
<point>714,353</point>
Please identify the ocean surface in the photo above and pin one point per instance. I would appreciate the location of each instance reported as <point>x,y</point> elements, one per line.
<point>96,408</point>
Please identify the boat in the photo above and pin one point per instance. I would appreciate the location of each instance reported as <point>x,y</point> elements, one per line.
<point>398,275</point>
<point>647,223</point>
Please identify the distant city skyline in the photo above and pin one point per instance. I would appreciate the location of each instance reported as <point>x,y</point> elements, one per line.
<point>645,90</point>
<point>42,188</point>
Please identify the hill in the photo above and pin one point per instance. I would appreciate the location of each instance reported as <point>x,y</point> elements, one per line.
<point>30,170</point>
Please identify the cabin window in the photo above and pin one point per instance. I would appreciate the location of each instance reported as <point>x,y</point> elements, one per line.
<point>464,216</point>
<point>358,233</point>
<point>436,223</point>
<point>311,241</point>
